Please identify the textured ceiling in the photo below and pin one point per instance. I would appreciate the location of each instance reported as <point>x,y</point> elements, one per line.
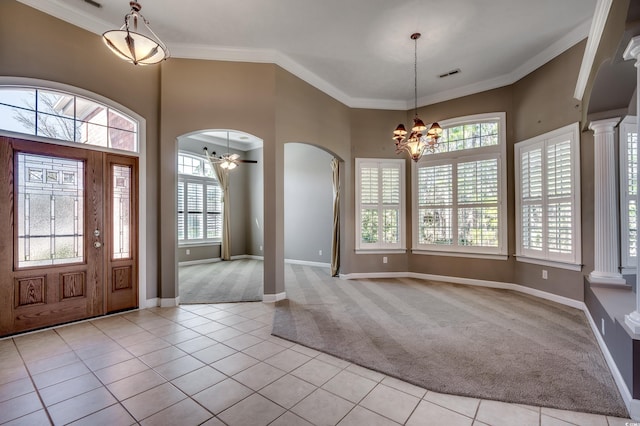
<point>359,51</point>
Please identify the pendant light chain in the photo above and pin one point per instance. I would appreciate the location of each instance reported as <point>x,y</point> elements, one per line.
<point>415,74</point>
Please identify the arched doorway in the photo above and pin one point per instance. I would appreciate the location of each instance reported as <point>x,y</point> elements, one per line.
<point>213,268</point>
<point>310,237</point>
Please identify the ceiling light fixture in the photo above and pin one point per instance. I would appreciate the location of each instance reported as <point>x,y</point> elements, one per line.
<point>139,48</point>
<point>418,141</point>
<point>226,161</point>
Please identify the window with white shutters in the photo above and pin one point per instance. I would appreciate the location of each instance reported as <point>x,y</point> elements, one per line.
<point>380,204</point>
<point>548,198</point>
<point>199,201</point>
<point>628,192</point>
<point>459,208</point>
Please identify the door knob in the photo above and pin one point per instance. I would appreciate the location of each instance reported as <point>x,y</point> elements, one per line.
<point>97,244</point>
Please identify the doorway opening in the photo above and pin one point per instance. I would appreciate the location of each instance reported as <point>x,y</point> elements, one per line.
<point>214,267</point>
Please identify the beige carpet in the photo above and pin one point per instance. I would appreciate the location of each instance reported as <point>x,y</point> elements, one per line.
<point>227,281</point>
<point>463,340</point>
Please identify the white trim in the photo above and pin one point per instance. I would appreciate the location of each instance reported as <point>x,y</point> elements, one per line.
<point>469,281</point>
<point>595,34</point>
<point>379,164</point>
<point>569,133</point>
<point>307,263</point>
<point>142,160</point>
<point>247,256</point>
<point>460,254</point>
<point>150,303</point>
<point>272,298</point>
<point>64,11</point>
<point>168,302</point>
<point>199,262</point>
<point>380,251</point>
<point>550,263</point>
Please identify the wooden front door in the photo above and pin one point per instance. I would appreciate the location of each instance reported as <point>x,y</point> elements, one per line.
<point>60,259</point>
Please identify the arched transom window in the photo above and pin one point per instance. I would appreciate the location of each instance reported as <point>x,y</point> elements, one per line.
<point>67,117</point>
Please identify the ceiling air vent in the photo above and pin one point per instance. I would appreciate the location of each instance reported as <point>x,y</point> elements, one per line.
<point>93,3</point>
<point>450,73</point>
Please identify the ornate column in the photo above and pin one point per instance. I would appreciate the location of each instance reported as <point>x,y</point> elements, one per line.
<point>633,52</point>
<point>605,204</point>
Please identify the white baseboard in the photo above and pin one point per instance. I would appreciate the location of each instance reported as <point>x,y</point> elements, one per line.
<point>150,303</point>
<point>633,405</point>
<point>169,302</point>
<point>307,263</point>
<point>272,298</point>
<point>199,262</point>
<point>470,281</point>
<point>247,256</point>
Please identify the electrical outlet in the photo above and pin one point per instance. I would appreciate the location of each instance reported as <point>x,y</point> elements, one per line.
<point>188,252</point>
<point>319,252</point>
<point>602,319</point>
<point>384,259</point>
<point>260,248</point>
<point>544,274</point>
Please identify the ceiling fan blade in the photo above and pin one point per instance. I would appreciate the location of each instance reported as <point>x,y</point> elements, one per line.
<point>248,161</point>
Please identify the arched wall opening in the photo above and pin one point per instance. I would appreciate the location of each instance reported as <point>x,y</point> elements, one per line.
<point>199,255</point>
<point>308,204</point>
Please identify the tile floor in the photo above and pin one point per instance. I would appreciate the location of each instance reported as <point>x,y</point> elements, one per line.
<point>215,365</point>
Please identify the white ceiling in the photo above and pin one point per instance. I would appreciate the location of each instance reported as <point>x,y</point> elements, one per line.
<point>359,51</point>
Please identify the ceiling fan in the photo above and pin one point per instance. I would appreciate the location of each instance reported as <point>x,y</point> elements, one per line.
<point>228,160</point>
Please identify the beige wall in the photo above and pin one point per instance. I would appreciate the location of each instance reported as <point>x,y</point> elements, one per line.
<point>199,95</point>
<point>183,95</point>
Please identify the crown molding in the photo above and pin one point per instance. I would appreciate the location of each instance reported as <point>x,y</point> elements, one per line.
<point>595,34</point>
<point>78,18</point>
<point>90,23</point>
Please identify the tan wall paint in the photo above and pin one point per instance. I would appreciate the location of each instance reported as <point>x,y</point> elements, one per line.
<point>304,114</point>
<point>543,101</point>
<point>200,95</point>
<point>78,58</point>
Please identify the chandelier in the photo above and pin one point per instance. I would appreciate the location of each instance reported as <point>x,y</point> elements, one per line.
<point>418,140</point>
<point>138,47</point>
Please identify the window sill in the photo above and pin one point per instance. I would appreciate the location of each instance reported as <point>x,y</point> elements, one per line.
<point>550,263</point>
<point>200,244</point>
<point>489,256</point>
<point>380,251</point>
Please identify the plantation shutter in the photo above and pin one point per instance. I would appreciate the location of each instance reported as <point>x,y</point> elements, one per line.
<point>195,209</point>
<point>214,212</point>
<point>548,197</point>
<point>180,210</point>
<point>435,204</point>
<point>531,187</point>
<point>380,201</point>
<point>559,197</point>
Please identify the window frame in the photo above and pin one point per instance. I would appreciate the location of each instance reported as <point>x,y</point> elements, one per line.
<point>499,152</point>
<point>109,109</point>
<point>627,126</point>
<point>381,247</point>
<point>204,181</point>
<point>574,261</point>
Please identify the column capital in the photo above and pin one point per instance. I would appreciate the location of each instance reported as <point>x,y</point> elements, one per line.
<point>633,50</point>
<point>605,125</point>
